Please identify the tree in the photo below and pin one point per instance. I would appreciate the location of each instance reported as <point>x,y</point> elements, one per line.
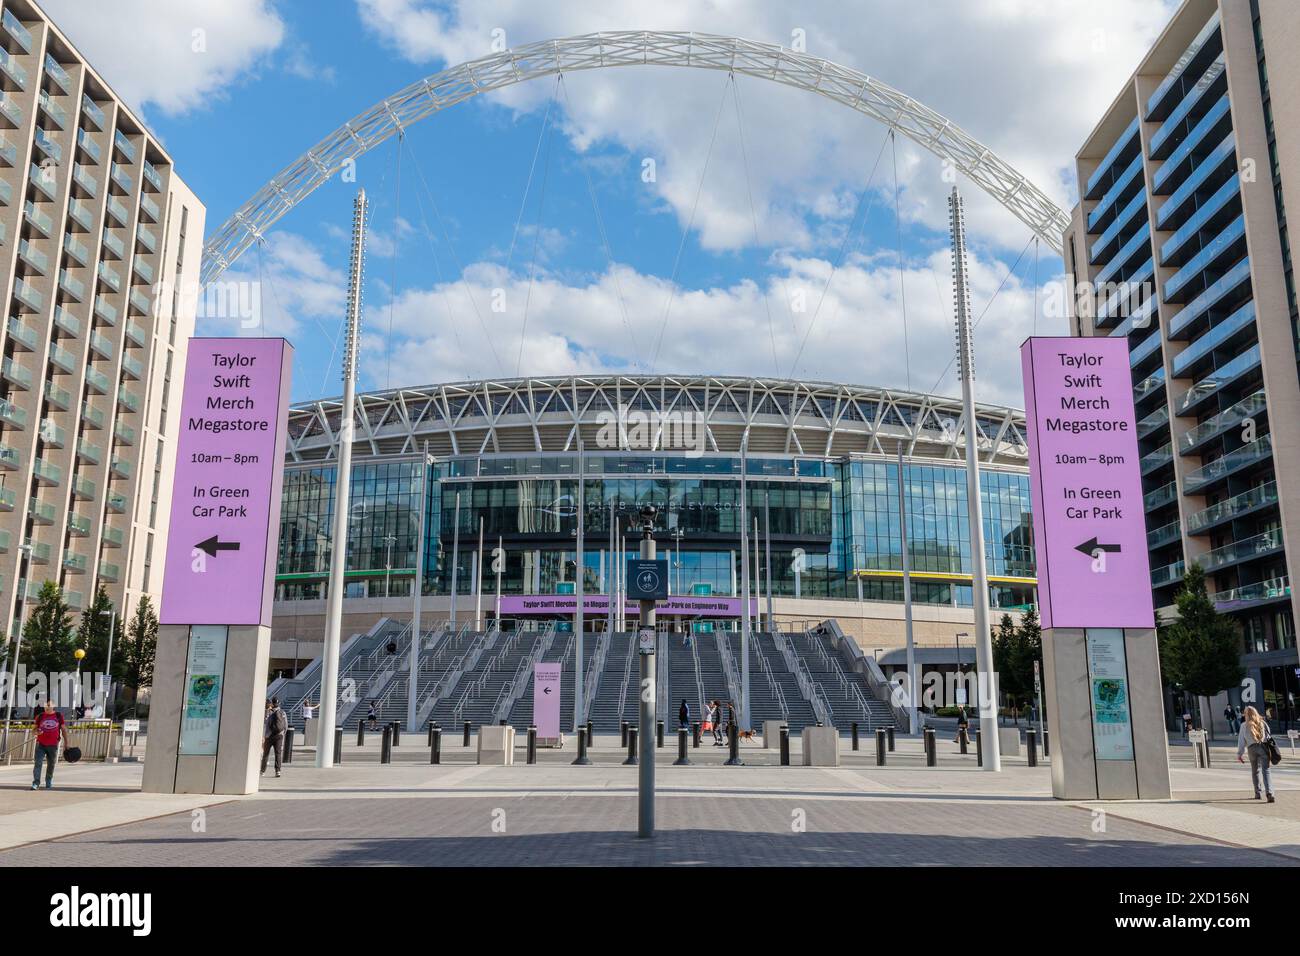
<point>1029,649</point>
<point>48,635</point>
<point>1004,647</point>
<point>92,636</point>
<point>140,645</point>
<point>1015,648</point>
<point>1200,650</point>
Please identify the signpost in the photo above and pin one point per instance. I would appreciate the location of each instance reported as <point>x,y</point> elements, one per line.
<point>647,581</point>
<point>546,700</point>
<point>1101,663</point>
<point>214,637</point>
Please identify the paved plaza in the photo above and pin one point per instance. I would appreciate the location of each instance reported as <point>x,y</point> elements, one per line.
<point>458,813</point>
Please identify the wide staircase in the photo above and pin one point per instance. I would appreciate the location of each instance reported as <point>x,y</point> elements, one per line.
<point>771,679</point>
<point>712,675</point>
<point>606,704</point>
<point>845,695</point>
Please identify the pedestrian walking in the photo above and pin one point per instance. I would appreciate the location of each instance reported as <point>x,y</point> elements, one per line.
<point>715,722</point>
<point>273,731</point>
<point>684,715</point>
<point>308,709</point>
<point>1230,716</point>
<point>372,717</point>
<point>49,727</point>
<point>963,725</point>
<point>1253,738</point>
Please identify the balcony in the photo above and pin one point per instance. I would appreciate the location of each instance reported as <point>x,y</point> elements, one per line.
<point>1256,498</point>
<point>1246,456</point>
<point>116,502</point>
<point>1106,241</point>
<point>1125,294</point>
<point>46,144</point>
<point>15,374</point>
<point>122,179</point>
<point>1149,347</point>
<point>1252,595</point>
<point>1156,459</point>
<point>79,212</point>
<point>57,74</point>
<point>8,152</point>
<point>117,209</point>
<point>88,146</point>
<point>1215,123</point>
<point>120,467</point>
<point>144,235</point>
<point>52,436</point>
<point>151,176</point>
<point>1156,420</point>
<point>149,208</point>
<point>113,246</point>
<point>21,335</point>
<point>59,398</point>
<point>128,400</point>
<point>42,177</point>
<point>8,499</point>
<point>1167,575</point>
<point>140,303</point>
<point>1149,386</point>
<point>123,146</point>
<point>110,276</point>
<point>1230,418</point>
<point>1159,497</point>
<point>109,572</point>
<point>74,599</point>
<point>1226,247</point>
<point>97,381</point>
<point>112,537</point>
<point>1222,160</point>
<point>1164,534</point>
<point>10,111</point>
<point>27,294</point>
<point>79,526</point>
<point>1127,140</point>
<point>1259,546</point>
<point>1225,289</point>
<point>41,512</point>
<point>76,250</point>
<point>86,451</point>
<point>66,322</point>
<point>16,36</point>
<point>100,345</point>
<point>13,416</point>
<point>1225,375</point>
<point>55,113</point>
<point>39,220</point>
<point>1208,88</point>
<point>6,538</point>
<point>142,269</point>
<point>123,434</point>
<point>91,111</point>
<point>63,358</point>
<point>135,333</point>
<point>82,179</point>
<point>74,563</point>
<point>83,488</point>
<point>6,196</point>
<point>105,311</point>
<point>75,288</point>
<point>37,261</point>
<point>93,417</point>
<point>14,76</point>
<point>46,473</point>
<point>9,458</point>
<point>1241,322</point>
<point>1115,194</point>
<point>40,553</point>
<point>1139,244</point>
<point>132,367</point>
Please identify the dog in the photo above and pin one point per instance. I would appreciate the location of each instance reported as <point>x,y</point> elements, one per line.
<point>748,734</point>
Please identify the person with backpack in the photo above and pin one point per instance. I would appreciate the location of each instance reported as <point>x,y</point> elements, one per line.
<point>276,726</point>
<point>49,727</point>
<point>1254,738</point>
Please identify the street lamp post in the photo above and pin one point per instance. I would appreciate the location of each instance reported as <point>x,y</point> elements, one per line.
<point>108,667</point>
<point>389,541</point>
<point>24,551</point>
<point>79,654</point>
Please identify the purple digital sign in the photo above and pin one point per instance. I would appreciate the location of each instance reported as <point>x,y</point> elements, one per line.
<point>546,699</point>
<point>519,605</point>
<point>1086,484</point>
<point>221,541</point>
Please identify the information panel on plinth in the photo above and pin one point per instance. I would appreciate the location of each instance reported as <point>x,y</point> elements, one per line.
<point>1101,662</point>
<point>214,635</point>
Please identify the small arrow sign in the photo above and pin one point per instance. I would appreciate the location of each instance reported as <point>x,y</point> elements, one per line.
<point>546,690</point>
<point>212,546</point>
<point>1090,547</point>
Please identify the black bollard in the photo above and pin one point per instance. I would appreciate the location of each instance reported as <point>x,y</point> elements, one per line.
<point>397,733</point>
<point>695,734</point>
<point>930,756</point>
<point>430,733</point>
<point>963,738</point>
<point>623,729</point>
<point>338,746</point>
<point>682,760</point>
<point>288,747</point>
<point>1047,750</point>
<point>853,732</point>
<point>386,745</point>
<point>631,746</point>
<point>785,745</point>
<point>590,731</point>
<point>435,744</point>
<point>1031,746</point>
<point>582,759</point>
<point>733,733</point>
<point>659,734</point>
<point>361,733</point>
<point>979,748</point>
<point>466,742</point>
<point>502,722</point>
<point>880,747</point>
<point>889,736</point>
<point>532,745</point>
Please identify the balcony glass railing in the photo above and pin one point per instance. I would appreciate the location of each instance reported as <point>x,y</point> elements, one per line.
<point>110,276</point>
<point>105,311</point>
<point>1221,156</point>
<point>1107,238</point>
<point>51,434</point>
<point>60,398</point>
<point>128,399</point>
<point>1169,574</point>
<point>53,111</point>
<point>97,381</point>
<point>58,74</point>
<point>74,287</point>
<point>1229,508</point>
<point>123,433</point>
<point>140,302</point>
<point>6,194</point>
<point>10,110</point>
<point>1228,242</point>
<point>135,333</point>
<point>1157,419</point>
<point>20,34</point>
<point>133,367</point>
<point>116,502</point>
<point>83,488</point>
<point>112,537</point>
<point>1239,321</point>
<point>1213,294</point>
<point>77,250</point>
<point>108,571</point>
<point>13,69</point>
<point>121,467</point>
<point>66,322</point>
<point>80,213</point>
<point>92,416</point>
<point>88,145</point>
<point>113,245</point>
<point>92,112</point>
<point>1248,407</point>
<point>1274,589</point>
<point>1258,450</point>
<point>1126,140</point>
<point>117,209</point>
<point>119,175</point>
<point>142,269</point>
<point>1149,385</point>
<point>43,179</point>
<point>1181,64</point>
<point>1122,185</point>
<point>15,416</point>
<point>1162,139</point>
<point>1140,242</point>
<point>1124,296</point>
<point>46,144</point>
<point>1164,534</point>
<point>101,345</point>
<point>9,458</point>
<point>28,295</point>
<point>39,220</point>
<point>8,499</point>
<point>74,563</point>
<point>41,512</point>
<point>1153,460</point>
<point>1159,497</point>
<point>1261,545</point>
<point>38,261</point>
<point>8,152</point>
<point>151,175</point>
<point>79,526</point>
<point>22,335</point>
<point>146,237</point>
<point>63,358</point>
<point>124,146</point>
<point>149,208</point>
<point>1148,347</point>
<point>1225,374</point>
<point>82,178</point>
<point>1177,159</point>
<point>46,472</point>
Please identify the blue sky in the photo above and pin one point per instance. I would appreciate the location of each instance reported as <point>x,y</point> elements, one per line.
<point>766,225</point>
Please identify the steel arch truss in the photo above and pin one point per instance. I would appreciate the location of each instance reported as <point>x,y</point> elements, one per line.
<point>545,415</point>
<point>765,61</point>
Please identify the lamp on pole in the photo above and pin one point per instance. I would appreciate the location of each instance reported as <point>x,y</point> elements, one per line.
<point>80,655</point>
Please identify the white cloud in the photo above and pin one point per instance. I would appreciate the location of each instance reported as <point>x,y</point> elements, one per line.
<point>175,55</point>
<point>1026,78</point>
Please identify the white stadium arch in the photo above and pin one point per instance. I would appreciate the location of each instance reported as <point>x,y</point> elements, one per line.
<point>765,61</point>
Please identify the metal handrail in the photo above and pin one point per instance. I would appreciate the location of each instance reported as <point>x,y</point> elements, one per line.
<point>699,674</point>
<point>627,676</point>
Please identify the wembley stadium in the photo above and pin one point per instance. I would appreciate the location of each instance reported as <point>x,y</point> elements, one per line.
<point>493,464</point>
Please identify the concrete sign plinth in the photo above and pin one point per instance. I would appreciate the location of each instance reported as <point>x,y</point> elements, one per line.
<point>496,746</point>
<point>821,747</point>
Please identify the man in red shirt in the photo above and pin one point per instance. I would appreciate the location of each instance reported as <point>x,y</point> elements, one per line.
<point>49,728</point>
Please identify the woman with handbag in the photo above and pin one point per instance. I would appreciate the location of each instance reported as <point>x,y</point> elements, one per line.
<point>1254,738</point>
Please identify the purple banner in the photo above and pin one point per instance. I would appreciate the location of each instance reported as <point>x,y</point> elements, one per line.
<point>517,605</point>
<point>221,542</point>
<point>546,699</point>
<point>1086,484</point>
